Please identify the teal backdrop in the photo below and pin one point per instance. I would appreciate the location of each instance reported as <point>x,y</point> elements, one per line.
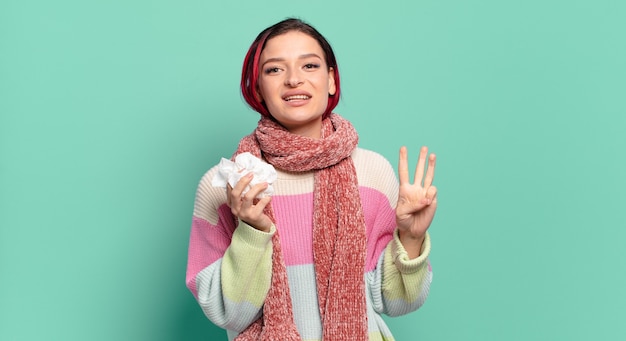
<point>111,111</point>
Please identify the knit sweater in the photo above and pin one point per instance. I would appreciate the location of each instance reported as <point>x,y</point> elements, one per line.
<point>229,266</point>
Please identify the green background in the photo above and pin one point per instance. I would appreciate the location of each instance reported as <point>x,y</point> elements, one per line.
<point>111,111</point>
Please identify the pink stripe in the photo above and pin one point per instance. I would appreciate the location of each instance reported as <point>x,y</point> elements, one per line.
<point>296,234</point>
<point>380,219</point>
<point>207,243</point>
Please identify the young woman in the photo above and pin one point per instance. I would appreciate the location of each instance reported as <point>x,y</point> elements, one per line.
<point>340,242</point>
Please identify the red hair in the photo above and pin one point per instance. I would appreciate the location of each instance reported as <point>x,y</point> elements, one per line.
<point>250,70</point>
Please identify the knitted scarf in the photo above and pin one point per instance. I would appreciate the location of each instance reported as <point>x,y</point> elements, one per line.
<point>338,231</point>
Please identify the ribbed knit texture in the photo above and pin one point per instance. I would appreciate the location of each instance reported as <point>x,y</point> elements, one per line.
<point>339,243</point>
<point>229,267</point>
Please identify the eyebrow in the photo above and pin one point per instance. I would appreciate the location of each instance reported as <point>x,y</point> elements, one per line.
<point>304,56</point>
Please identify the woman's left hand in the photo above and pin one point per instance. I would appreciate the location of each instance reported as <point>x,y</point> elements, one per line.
<point>417,202</point>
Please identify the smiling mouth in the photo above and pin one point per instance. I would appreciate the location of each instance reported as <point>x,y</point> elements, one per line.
<point>296,98</point>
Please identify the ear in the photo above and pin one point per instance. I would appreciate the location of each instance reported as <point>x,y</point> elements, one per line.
<point>257,95</point>
<point>332,89</point>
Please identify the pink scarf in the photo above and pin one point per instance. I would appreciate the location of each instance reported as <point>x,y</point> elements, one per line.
<point>338,231</point>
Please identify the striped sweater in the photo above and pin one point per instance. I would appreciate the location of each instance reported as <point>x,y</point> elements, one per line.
<point>229,264</point>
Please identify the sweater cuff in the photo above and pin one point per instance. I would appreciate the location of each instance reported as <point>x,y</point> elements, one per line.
<point>401,257</point>
<point>253,237</point>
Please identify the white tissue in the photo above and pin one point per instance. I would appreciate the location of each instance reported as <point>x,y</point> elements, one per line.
<point>231,172</point>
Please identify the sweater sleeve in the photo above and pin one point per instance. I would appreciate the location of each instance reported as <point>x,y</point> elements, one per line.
<point>405,282</point>
<point>397,284</point>
<point>229,265</point>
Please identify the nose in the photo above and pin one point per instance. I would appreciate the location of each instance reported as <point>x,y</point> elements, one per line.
<point>293,79</point>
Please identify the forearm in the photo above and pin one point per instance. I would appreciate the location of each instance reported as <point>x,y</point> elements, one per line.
<point>232,290</point>
<point>406,280</point>
<point>247,265</point>
<point>246,275</point>
<point>412,244</point>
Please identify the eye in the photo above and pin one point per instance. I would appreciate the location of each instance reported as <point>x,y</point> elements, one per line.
<point>311,66</point>
<point>271,70</point>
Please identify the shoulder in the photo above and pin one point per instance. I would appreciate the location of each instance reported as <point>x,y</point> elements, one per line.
<point>208,197</point>
<point>371,162</point>
<point>374,170</point>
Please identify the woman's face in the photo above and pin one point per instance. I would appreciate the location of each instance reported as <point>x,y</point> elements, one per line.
<point>295,82</point>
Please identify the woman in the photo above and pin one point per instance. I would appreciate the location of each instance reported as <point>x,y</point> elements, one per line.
<point>340,242</point>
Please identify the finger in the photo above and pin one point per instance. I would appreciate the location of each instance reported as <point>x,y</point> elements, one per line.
<point>421,162</point>
<point>430,196</point>
<point>228,194</point>
<point>403,167</point>
<point>430,172</point>
<point>254,192</point>
<point>233,201</point>
<point>433,201</point>
<point>431,193</point>
<point>263,202</point>
<point>241,185</point>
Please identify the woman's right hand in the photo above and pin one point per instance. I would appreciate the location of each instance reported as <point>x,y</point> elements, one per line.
<point>246,207</point>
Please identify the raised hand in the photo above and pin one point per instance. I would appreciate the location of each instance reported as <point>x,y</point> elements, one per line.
<point>417,202</point>
<point>246,207</point>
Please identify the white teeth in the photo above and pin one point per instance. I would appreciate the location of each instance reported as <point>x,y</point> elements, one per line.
<point>296,97</point>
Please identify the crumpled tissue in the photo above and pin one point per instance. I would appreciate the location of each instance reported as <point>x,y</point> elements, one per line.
<point>230,172</point>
